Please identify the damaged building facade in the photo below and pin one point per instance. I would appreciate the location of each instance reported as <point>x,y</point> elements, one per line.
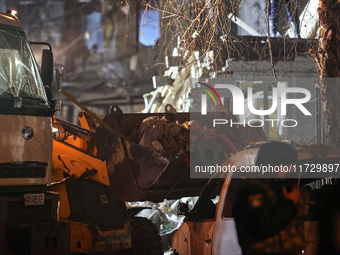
<point>248,60</point>
<point>126,53</point>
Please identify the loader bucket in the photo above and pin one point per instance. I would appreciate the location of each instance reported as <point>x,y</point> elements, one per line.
<point>138,174</point>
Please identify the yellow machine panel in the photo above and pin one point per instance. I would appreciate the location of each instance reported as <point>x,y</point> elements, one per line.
<point>73,161</point>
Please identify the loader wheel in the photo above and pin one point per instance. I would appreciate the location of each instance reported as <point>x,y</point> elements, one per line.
<point>145,237</point>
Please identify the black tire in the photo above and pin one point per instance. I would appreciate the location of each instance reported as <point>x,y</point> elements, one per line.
<point>145,237</point>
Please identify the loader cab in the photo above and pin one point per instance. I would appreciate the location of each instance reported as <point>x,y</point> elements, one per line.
<point>26,206</point>
<point>22,90</point>
<point>25,110</point>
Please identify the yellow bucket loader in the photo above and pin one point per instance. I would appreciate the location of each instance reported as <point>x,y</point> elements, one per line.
<point>98,222</point>
<point>97,168</point>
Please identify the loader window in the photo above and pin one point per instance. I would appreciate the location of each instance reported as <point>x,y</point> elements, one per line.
<point>19,75</point>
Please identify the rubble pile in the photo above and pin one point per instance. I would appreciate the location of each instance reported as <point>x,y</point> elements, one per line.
<point>170,139</point>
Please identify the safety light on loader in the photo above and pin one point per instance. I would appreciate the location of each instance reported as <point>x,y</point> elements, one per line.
<point>12,12</point>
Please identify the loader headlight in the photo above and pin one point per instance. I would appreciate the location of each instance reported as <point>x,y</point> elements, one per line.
<point>27,133</point>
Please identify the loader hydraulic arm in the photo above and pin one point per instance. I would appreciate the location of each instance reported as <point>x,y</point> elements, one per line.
<point>75,155</point>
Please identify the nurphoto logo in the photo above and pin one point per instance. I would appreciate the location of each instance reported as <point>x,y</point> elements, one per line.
<point>239,104</point>
<point>238,99</point>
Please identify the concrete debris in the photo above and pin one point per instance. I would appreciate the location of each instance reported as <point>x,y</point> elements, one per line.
<point>165,214</point>
<point>170,139</point>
